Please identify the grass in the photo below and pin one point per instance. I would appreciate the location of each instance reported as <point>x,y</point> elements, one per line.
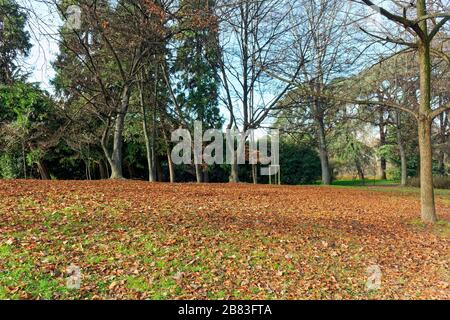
<point>366,182</point>
<point>135,240</point>
<point>391,186</point>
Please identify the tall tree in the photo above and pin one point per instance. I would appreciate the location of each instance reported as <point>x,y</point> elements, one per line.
<point>107,55</point>
<point>254,37</point>
<point>14,40</point>
<point>197,66</point>
<point>423,26</point>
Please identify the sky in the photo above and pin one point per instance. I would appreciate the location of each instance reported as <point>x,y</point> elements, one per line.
<point>42,26</point>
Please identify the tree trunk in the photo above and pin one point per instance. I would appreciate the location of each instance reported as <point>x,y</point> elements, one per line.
<point>116,157</point>
<point>24,160</point>
<point>205,173</point>
<point>428,212</point>
<point>234,175</point>
<point>171,168</point>
<point>426,172</point>
<point>43,170</point>
<point>255,173</point>
<point>198,173</point>
<point>360,170</point>
<point>382,143</point>
<point>401,150</point>
<point>148,147</point>
<point>443,122</point>
<point>159,170</point>
<point>322,144</point>
<point>103,170</point>
<point>148,150</point>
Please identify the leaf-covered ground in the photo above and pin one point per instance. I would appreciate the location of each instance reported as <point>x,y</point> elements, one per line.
<point>159,241</point>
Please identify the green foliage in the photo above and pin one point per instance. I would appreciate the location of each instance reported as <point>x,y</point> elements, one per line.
<point>197,67</point>
<point>28,118</point>
<point>299,164</point>
<point>14,40</point>
<point>9,168</point>
<point>350,152</point>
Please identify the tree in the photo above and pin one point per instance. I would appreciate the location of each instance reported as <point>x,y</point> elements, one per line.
<point>197,66</point>
<point>107,54</point>
<point>14,40</point>
<point>424,26</point>
<point>253,38</point>
<point>30,125</point>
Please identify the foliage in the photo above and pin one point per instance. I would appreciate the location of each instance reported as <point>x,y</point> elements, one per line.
<point>159,241</point>
<point>14,40</point>
<point>299,164</point>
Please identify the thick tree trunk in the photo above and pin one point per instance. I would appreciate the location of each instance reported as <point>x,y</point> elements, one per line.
<point>117,156</point>
<point>322,145</point>
<point>428,212</point>
<point>43,170</point>
<point>234,175</point>
<point>426,172</point>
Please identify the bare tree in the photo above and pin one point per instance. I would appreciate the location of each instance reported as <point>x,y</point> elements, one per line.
<point>254,37</point>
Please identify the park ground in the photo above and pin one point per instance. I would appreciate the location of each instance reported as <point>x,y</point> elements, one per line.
<point>136,240</point>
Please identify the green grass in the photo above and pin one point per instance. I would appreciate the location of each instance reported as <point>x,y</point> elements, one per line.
<point>367,182</point>
<point>389,186</point>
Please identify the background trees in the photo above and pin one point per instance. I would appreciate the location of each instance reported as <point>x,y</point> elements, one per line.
<point>14,39</point>
<point>350,87</point>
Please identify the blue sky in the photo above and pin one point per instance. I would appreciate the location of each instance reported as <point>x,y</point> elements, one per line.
<point>43,26</point>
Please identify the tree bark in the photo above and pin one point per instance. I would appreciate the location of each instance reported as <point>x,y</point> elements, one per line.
<point>360,170</point>
<point>205,173</point>
<point>382,143</point>
<point>443,122</point>
<point>401,150</point>
<point>148,146</point>
<point>117,155</point>
<point>323,152</point>
<point>171,168</point>
<point>255,173</point>
<point>103,170</point>
<point>159,170</point>
<point>43,170</point>
<point>428,211</point>
<point>234,175</point>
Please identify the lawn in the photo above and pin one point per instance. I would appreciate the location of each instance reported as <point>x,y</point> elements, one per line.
<point>137,240</point>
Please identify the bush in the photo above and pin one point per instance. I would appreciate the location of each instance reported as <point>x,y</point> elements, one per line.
<point>8,167</point>
<point>439,182</point>
<point>299,164</point>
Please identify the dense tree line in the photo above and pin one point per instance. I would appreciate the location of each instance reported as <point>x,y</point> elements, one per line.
<point>352,94</point>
